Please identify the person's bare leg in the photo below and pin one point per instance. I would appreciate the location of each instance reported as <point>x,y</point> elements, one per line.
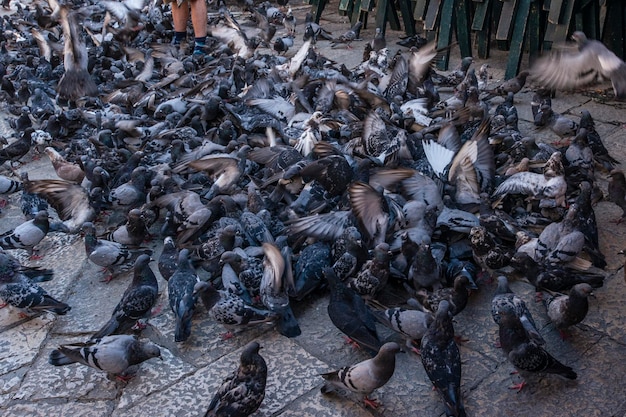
<point>199,17</point>
<point>180,16</point>
<point>199,23</point>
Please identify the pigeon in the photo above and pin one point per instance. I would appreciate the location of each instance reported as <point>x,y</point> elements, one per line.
<point>8,186</point>
<point>600,153</point>
<point>348,312</point>
<point>486,252</point>
<point>553,277</point>
<point>561,242</point>
<point>117,354</point>
<point>137,301</point>
<point>277,281</point>
<point>559,124</point>
<point>64,169</point>
<point>28,234</point>
<point>230,310</point>
<point>617,191</point>
<point>112,256</point>
<point>410,324</point>
<point>168,259</point>
<point>366,376</point>
<point>242,392</point>
<point>580,66</point>
<point>442,360</point>
<point>181,290</point>
<point>425,270</point>
<point>524,352</point>
<point>309,269</point>
<point>133,232</point>
<point>348,36</point>
<point>375,45</point>
<point>513,85</point>
<point>457,296</point>
<point>312,31</point>
<point>76,81</point>
<point>21,292</point>
<point>17,149</point>
<point>549,187</point>
<point>505,300</point>
<point>374,274</point>
<point>567,310</point>
<point>73,203</point>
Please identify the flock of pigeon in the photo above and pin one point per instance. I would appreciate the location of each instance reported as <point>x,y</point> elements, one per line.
<point>272,179</point>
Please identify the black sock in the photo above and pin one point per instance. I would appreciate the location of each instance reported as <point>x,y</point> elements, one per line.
<point>179,37</point>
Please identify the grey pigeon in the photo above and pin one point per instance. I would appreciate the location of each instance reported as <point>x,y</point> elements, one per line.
<point>600,153</point>
<point>19,291</point>
<point>425,271</point>
<point>133,232</point>
<point>242,392</point>
<point>350,314</point>
<point>112,256</point>
<point>8,186</point>
<point>558,123</point>
<point>168,259</point>
<point>561,242</point>
<point>137,301</point>
<point>505,300</point>
<point>442,360</point>
<point>182,296</point>
<point>411,324</point>
<point>348,36</point>
<point>567,310</point>
<point>524,352</point>
<point>230,310</point>
<point>366,376</point>
<point>28,234</point>
<point>584,65</point>
<point>116,354</point>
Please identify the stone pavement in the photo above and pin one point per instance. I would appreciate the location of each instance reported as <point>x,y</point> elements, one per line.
<point>183,383</point>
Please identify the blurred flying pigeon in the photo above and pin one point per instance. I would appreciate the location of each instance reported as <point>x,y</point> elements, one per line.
<point>366,376</point>
<point>568,69</point>
<point>116,354</point>
<point>242,392</point>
